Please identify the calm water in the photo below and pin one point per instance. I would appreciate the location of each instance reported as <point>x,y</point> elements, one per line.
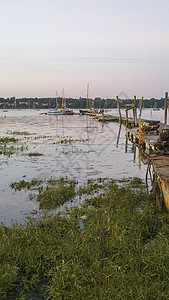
<point>97,150</point>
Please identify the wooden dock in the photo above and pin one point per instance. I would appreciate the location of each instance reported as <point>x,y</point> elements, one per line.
<point>149,141</point>
<point>153,140</point>
<point>158,159</point>
<point>160,179</point>
<point>155,150</point>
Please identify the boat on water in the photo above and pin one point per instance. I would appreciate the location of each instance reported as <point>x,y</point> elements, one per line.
<point>89,111</point>
<point>61,111</point>
<point>83,111</point>
<point>68,111</point>
<point>55,112</point>
<point>155,108</point>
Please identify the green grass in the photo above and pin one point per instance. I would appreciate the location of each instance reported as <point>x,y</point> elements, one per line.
<point>7,149</point>
<point>70,141</point>
<point>107,249</point>
<point>54,196</point>
<point>6,140</point>
<point>92,186</point>
<point>34,154</point>
<point>19,132</point>
<point>22,184</point>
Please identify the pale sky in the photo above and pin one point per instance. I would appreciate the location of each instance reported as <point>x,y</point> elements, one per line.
<point>114,45</point>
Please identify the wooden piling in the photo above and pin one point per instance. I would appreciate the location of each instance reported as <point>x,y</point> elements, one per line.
<point>139,131</point>
<point>141,106</point>
<point>135,112</point>
<point>126,116</point>
<point>118,106</point>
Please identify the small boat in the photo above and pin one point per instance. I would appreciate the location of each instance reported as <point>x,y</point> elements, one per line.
<point>108,118</point>
<point>68,112</point>
<point>4,108</point>
<point>155,107</point>
<point>87,110</point>
<point>55,112</point>
<point>83,111</point>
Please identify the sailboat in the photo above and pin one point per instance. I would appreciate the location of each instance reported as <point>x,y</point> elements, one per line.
<point>66,111</point>
<point>155,107</point>
<point>4,108</point>
<point>56,111</point>
<point>85,111</point>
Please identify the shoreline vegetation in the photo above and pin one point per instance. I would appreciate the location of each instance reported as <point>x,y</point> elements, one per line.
<point>74,103</point>
<point>114,246</point>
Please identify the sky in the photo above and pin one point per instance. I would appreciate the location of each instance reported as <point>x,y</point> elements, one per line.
<point>119,47</point>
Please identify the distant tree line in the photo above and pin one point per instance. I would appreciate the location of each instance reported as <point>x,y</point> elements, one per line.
<point>39,103</point>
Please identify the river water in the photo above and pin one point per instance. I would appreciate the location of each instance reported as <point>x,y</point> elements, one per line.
<point>95,150</point>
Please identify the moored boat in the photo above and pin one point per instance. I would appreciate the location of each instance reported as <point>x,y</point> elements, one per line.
<point>155,107</point>
<point>68,112</point>
<point>55,112</point>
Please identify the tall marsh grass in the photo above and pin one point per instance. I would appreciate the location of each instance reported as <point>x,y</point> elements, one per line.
<point>120,252</point>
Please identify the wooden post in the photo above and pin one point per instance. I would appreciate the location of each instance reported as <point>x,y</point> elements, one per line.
<point>165,108</point>
<point>139,131</point>
<point>118,106</point>
<point>135,112</point>
<point>141,106</point>
<point>126,116</point>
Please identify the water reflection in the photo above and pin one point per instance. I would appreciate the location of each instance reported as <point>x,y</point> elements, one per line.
<point>118,137</point>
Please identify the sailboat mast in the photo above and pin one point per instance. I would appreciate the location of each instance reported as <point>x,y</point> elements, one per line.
<point>56,101</point>
<point>63,98</point>
<point>87,103</point>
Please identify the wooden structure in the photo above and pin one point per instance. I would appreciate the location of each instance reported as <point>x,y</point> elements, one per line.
<point>152,137</point>
<point>160,179</point>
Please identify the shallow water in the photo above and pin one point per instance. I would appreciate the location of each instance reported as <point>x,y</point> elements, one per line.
<point>97,150</point>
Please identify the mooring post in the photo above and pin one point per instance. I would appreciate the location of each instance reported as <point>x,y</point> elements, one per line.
<point>126,116</point>
<point>165,108</point>
<point>118,106</point>
<point>141,106</point>
<point>135,112</point>
<point>139,131</point>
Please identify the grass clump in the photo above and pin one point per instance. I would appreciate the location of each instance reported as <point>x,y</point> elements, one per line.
<point>34,154</point>
<point>22,184</point>
<point>92,186</point>
<point>119,253</point>
<point>70,141</point>
<point>54,196</point>
<point>19,132</point>
<point>6,140</point>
